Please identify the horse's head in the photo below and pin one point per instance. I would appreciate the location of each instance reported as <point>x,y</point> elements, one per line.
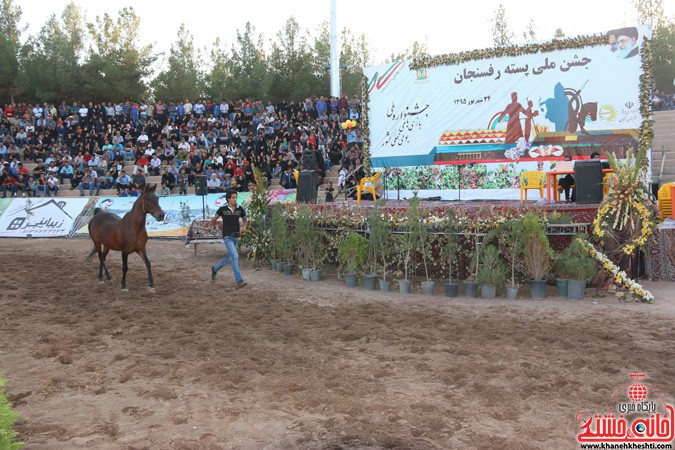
<point>151,202</point>
<point>590,109</point>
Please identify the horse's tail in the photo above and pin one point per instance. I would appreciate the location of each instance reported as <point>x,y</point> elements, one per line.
<point>97,210</point>
<point>91,254</point>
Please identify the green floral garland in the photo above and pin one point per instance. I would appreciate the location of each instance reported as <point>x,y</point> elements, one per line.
<point>620,277</point>
<point>510,50</point>
<point>365,129</point>
<point>646,133</point>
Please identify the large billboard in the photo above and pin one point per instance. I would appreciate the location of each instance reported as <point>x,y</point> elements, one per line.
<point>530,107</point>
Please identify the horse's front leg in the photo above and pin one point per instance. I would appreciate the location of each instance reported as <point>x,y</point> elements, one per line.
<point>151,282</point>
<point>125,257</point>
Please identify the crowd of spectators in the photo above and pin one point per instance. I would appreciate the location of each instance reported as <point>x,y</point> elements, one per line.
<point>85,145</point>
<point>662,101</point>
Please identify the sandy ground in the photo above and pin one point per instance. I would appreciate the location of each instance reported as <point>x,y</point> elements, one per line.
<point>285,363</point>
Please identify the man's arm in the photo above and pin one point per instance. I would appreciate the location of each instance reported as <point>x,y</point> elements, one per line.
<point>214,220</point>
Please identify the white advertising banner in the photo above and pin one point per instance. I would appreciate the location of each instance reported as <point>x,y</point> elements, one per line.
<point>41,217</point>
<point>531,107</point>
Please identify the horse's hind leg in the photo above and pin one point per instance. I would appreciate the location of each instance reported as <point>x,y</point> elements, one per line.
<point>125,256</point>
<point>151,282</point>
<point>103,255</point>
<point>101,264</point>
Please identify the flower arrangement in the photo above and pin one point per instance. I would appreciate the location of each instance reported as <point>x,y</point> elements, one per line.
<point>620,277</point>
<point>259,236</point>
<point>627,209</point>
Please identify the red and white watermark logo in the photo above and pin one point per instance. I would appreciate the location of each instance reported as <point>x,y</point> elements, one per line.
<point>637,414</point>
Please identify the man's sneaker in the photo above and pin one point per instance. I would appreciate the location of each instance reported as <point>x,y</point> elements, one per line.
<point>213,274</point>
<point>241,284</point>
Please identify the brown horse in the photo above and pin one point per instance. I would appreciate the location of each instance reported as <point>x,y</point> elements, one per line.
<point>125,234</point>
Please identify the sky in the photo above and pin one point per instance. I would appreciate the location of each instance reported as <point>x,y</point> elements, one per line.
<point>389,26</point>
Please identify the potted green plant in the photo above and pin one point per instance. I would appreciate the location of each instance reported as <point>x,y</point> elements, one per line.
<point>450,251</point>
<point>283,236</point>
<point>471,283</point>
<point>510,240</point>
<point>562,277</point>
<point>278,229</point>
<point>492,271</point>
<point>408,241</point>
<point>537,254</point>
<point>381,246</point>
<point>352,257</point>
<point>317,256</point>
<point>424,248</point>
<point>579,266</point>
<point>307,238</point>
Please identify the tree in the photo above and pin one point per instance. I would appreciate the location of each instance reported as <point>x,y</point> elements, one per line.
<point>663,55</point>
<point>181,78</point>
<point>530,34</point>
<point>650,12</point>
<point>117,64</point>
<point>290,64</point>
<point>216,85</point>
<point>501,35</point>
<point>663,41</point>
<point>559,33</point>
<point>354,56</point>
<point>247,67</point>
<point>417,50</point>
<point>321,58</point>
<point>50,62</point>
<point>10,45</point>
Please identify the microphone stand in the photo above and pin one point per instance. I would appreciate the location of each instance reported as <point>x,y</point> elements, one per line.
<point>398,185</point>
<point>384,181</point>
<point>459,181</point>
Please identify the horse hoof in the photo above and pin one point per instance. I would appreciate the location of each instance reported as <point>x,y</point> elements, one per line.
<point>151,289</point>
<point>101,282</point>
<point>125,290</point>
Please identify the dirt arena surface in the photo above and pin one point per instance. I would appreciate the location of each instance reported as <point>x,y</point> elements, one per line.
<point>289,364</point>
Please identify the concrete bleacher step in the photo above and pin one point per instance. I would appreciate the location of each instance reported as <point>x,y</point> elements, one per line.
<point>663,146</point>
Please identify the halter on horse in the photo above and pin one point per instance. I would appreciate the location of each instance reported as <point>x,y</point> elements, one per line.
<point>125,234</point>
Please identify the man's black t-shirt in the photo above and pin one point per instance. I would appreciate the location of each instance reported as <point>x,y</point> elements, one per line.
<point>231,219</point>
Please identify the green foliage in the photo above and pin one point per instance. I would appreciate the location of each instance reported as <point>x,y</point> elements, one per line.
<point>663,55</point>
<point>246,67</point>
<point>10,15</point>
<point>50,62</point>
<point>499,27</point>
<point>576,263</point>
<point>450,251</point>
<point>538,254</point>
<point>492,269</point>
<point>378,240</point>
<point>557,217</point>
<point>308,238</point>
<point>511,240</point>
<point>258,235</point>
<point>410,239</point>
<point>7,418</point>
<point>353,253</point>
<point>182,77</point>
<point>185,217</point>
<point>117,64</point>
<point>434,177</point>
<point>281,247</point>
